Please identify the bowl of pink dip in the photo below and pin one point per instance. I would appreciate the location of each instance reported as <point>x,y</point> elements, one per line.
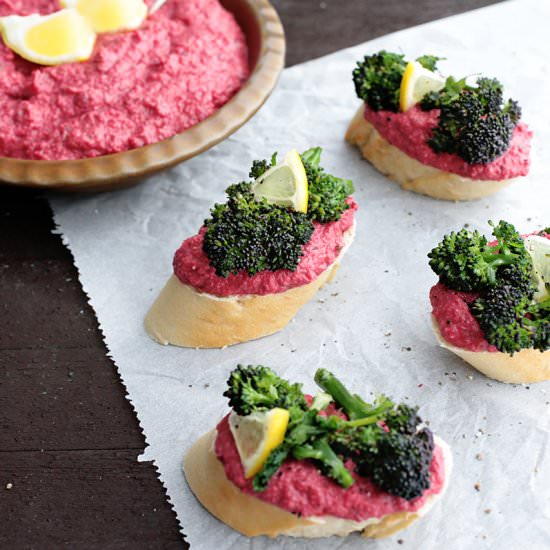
<point>191,75</point>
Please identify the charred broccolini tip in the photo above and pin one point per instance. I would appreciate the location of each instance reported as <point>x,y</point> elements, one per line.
<point>474,121</point>
<point>248,235</point>
<point>501,314</point>
<point>511,320</point>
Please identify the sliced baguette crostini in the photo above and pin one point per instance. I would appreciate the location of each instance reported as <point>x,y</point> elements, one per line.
<point>491,306</point>
<point>218,297</point>
<point>253,517</point>
<point>252,514</point>
<point>401,129</point>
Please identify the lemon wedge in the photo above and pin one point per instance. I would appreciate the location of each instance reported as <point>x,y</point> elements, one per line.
<point>62,37</point>
<point>539,249</point>
<point>417,81</point>
<point>110,15</point>
<point>256,435</point>
<point>284,184</point>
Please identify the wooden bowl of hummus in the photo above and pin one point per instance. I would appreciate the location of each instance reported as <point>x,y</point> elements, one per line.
<point>265,52</point>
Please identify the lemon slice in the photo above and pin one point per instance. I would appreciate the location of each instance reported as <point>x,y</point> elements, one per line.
<point>539,249</point>
<point>284,184</point>
<point>110,15</point>
<point>61,37</point>
<point>256,435</point>
<point>417,81</point>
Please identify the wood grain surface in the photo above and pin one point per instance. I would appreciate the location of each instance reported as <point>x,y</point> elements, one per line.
<point>69,440</point>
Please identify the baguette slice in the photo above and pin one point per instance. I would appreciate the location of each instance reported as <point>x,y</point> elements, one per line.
<point>252,517</point>
<point>524,367</point>
<point>411,174</point>
<point>182,316</point>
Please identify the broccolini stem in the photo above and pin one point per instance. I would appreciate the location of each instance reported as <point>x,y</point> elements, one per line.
<point>367,420</point>
<point>329,461</point>
<point>500,259</point>
<point>353,406</point>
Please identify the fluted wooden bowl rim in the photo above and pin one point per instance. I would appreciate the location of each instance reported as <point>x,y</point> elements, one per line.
<point>124,168</point>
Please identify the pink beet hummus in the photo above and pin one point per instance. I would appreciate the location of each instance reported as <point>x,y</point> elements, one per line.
<point>192,266</point>
<point>410,131</point>
<point>454,319</point>
<point>301,489</point>
<point>139,87</point>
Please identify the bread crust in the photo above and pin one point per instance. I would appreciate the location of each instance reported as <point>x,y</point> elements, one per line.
<point>524,367</point>
<point>253,517</point>
<point>182,316</point>
<point>411,174</point>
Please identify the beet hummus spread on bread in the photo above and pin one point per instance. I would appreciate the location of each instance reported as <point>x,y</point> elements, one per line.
<point>331,459</point>
<point>448,138</point>
<point>493,296</point>
<point>260,255</point>
<point>302,489</point>
<point>491,306</point>
<point>183,63</point>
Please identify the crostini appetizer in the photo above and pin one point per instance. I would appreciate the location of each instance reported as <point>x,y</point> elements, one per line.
<point>259,257</point>
<point>437,136</point>
<point>491,305</point>
<point>285,463</point>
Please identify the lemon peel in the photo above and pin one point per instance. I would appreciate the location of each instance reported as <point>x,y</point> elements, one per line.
<point>256,435</point>
<point>110,15</point>
<point>61,37</point>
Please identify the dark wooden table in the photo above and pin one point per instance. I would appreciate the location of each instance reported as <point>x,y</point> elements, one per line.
<point>68,438</point>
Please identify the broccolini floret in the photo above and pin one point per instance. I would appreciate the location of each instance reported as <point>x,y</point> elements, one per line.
<point>386,443</point>
<point>511,320</point>
<point>501,314</point>
<point>327,194</point>
<point>465,261</point>
<point>377,80</point>
<point>245,234</point>
<point>401,464</point>
<point>474,122</point>
<point>258,388</point>
<point>259,167</point>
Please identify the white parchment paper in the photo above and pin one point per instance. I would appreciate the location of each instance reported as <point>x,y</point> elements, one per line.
<point>371,326</point>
